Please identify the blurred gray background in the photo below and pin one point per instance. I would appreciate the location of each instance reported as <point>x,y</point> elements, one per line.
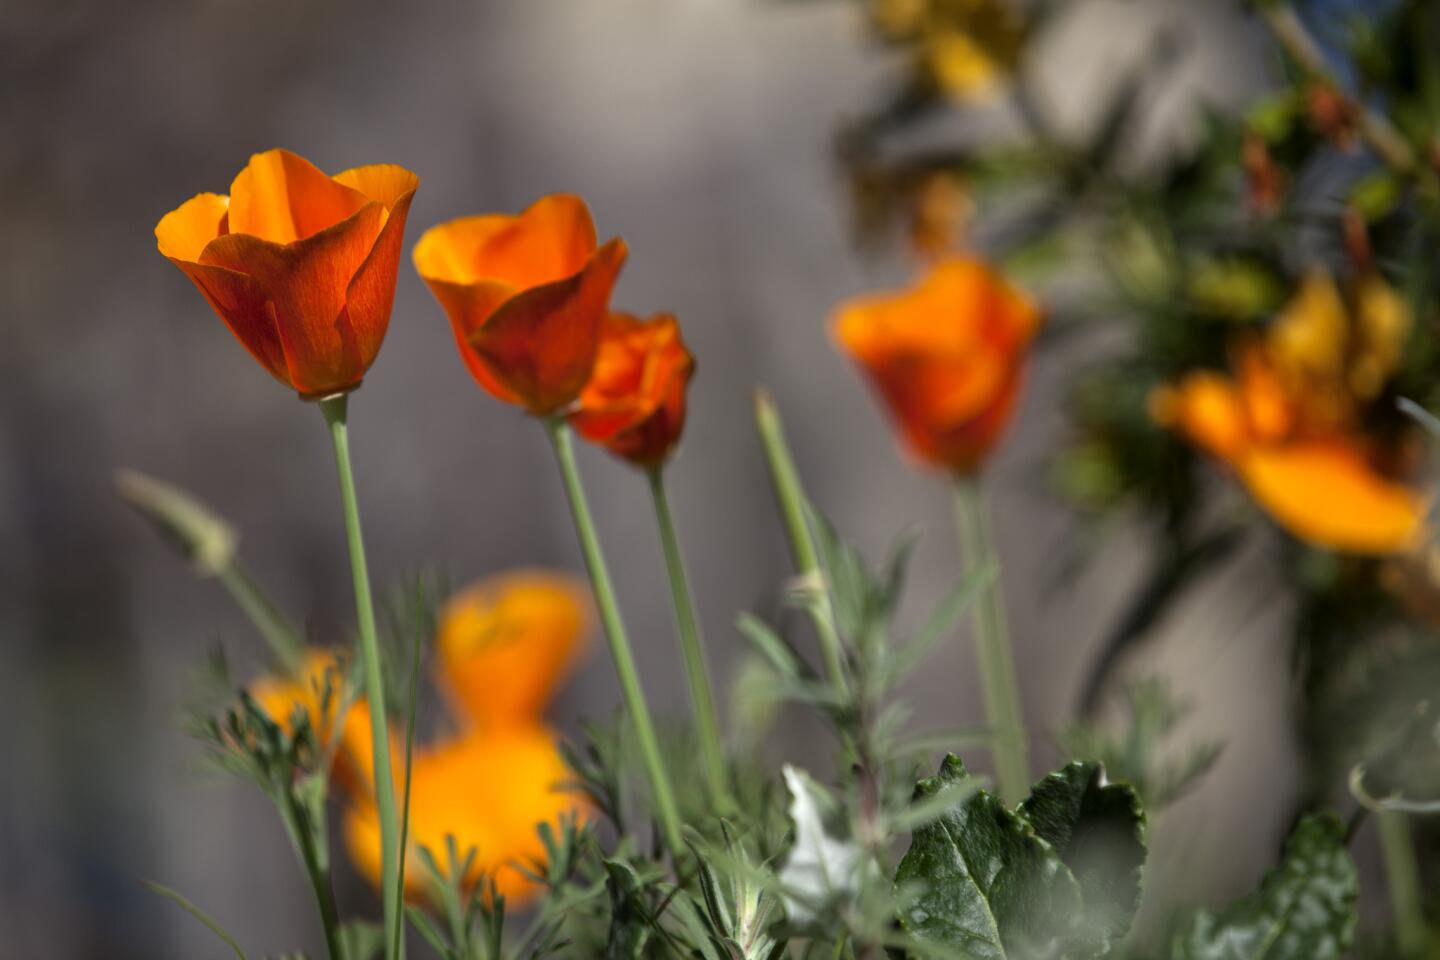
<point>701,131</point>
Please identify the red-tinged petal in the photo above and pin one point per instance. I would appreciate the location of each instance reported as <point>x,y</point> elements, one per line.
<point>542,343</point>
<point>307,282</point>
<point>371,293</point>
<point>245,307</point>
<point>282,197</point>
<point>183,232</point>
<point>468,306</point>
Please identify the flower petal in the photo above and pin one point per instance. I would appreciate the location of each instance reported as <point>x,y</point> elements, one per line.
<point>549,241</point>
<point>1327,495</point>
<point>282,197</point>
<point>506,643</point>
<point>541,343</point>
<point>387,183</point>
<point>245,307</point>
<point>307,282</point>
<point>371,293</point>
<point>183,232</point>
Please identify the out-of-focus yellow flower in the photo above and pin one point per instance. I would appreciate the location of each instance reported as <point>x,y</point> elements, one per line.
<point>967,48</point>
<point>507,642</point>
<point>320,692</point>
<point>1289,422</point>
<point>487,789</point>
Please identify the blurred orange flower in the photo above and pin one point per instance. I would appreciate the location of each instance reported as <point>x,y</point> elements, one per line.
<point>1289,421</point>
<point>526,296</point>
<point>489,790</point>
<point>947,357</point>
<point>506,643</point>
<point>320,692</point>
<point>634,403</point>
<point>301,266</point>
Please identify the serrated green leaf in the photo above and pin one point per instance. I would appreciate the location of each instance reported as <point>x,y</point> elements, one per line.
<point>1098,829</point>
<point>1304,909</point>
<point>984,882</point>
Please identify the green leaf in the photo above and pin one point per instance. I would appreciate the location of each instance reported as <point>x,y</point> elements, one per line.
<point>1304,909</point>
<point>629,923</point>
<point>361,940</point>
<point>1098,829</point>
<point>179,899</point>
<point>984,882</point>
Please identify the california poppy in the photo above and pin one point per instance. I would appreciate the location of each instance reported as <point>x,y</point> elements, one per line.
<point>300,265</point>
<point>1289,420</point>
<point>525,295</point>
<point>947,357</point>
<point>488,791</point>
<point>634,403</point>
<point>506,643</point>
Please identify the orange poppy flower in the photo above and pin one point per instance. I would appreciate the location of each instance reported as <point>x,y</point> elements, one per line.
<point>489,791</point>
<point>634,403</point>
<point>300,265</point>
<point>526,296</point>
<point>1288,422</point>
<point>320,693</point>
<point>947,357</point>
<point>506,643</point>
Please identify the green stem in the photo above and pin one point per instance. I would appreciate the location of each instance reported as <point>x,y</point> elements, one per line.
<point>692,647</point>
<point>992,646</point>
<point>301,832</point>
<point>619,641</point>
<point>1402,877</point>
<point>334,409</point>
<point>791,497</point>
<point>268,621</point>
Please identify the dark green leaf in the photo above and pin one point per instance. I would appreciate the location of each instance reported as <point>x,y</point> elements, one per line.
<point>1304,910</point>
<point>983,882</point>
<point>1099,831</point>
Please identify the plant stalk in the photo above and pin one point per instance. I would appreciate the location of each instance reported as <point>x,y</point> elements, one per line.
<point>1402,878</point>
<point>267,620</point>
<point>334,409</point>
<point>998,683</point>
<point>791,497</point>
<point>692,646</point>
<point>617,638</point>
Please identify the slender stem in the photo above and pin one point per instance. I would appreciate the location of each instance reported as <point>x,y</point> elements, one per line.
<point>692,647</point>
<point>1402,877</point>
<point>334,410</point>
<point>268,621</point>
<point>316,869</point>
<point>791,496</point>
<point>619,641</point>
<point>992,646</point>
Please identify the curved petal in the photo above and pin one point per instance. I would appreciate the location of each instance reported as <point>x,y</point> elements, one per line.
<point>1327,495</point>
<point>183,232</point>
<point>245,307</point>
<point>386,183</point>
<point>468,306</point>
<point>306,283</point>
<point>541,343</point>
<point>371,293</point>
<point>549,241</point>
<point>964,445</point>
<point>282,197</point>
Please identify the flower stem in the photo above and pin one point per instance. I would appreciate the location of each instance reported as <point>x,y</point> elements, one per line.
<point>615,634</point>
<point>267,620</point>
<point>334,409</point>
<point>992,646</point>
<point>1402,876</point>
<point>791,497</point>
<point>692,647</point>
